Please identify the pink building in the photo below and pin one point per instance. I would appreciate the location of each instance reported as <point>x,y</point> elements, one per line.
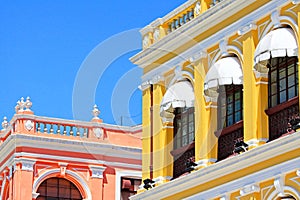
<point>48,158</point>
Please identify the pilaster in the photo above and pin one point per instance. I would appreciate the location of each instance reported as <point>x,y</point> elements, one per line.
<point>146,135</point>
<point>96,181</point>
<point>159,138</point>
<point>205,124</point>
<point>255,94</point>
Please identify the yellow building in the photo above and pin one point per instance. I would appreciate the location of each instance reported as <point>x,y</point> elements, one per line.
<point>220,101</point>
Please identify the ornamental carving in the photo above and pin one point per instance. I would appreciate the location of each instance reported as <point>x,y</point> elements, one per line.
<point>29,125</point>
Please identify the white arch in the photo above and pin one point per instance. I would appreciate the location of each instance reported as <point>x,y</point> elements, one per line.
<point>78,178</point>
<point>287,190</point>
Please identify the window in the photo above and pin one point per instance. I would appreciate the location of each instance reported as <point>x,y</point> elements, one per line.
<point>58,189</point>
<point>184,131</point>
<point>283,80</point>
<point>230,105</point>
<point>129,187</point>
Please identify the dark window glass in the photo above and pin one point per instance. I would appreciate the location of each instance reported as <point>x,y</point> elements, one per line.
<point>58,189</point>
<point>230,105</point>
<point>283,80</point>
<point>184,131</point>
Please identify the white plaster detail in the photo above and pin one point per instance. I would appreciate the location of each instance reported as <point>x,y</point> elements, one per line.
<point>77,177</point>
<point>197,8</point>
<point>223,47</point>
<point>156,35</point>
<point>197,56</point>
<point>63,168</point>
<point>249,189</point>
<point>279,185</point>
<point>28,104</point>
<point>296,1</point>
<point>35,195</point>
<point>96,112</point>
<point>275,18</point>
<point>298,173</point>
<point>98,132</point>
<point>228,166</point>
<point>97,171</point>
<point>247,28</point>
<point>29,125</point>
<point>5,123</point>
<point>145,85</point>
<point>157,79</point>
<point>146,30</point>
<point>225,197</point>
<point>146,41</point>
<point>27,164</point>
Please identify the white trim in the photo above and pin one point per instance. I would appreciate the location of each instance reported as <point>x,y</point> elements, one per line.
<point>120,174</point>
<point>197,27</point>
<point>230,165</point>
<point>97,171</point>
<point>262,83</point>
<point>42,177</point>
<point>256,177</point>
<point>249,189</point>
<point>285,188</point>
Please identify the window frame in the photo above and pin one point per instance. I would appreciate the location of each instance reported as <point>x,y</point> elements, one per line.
<point>223,107</point>
<point>181,114</point>
<point>275,68</point>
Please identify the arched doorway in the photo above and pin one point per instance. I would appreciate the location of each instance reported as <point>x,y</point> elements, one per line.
<point>58,189</point>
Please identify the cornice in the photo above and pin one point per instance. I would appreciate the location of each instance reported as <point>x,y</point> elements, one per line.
<point>197,26</point>
<point>231,165</point>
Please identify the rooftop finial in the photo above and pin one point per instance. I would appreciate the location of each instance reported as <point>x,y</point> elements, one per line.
<point>24,105</point>
<point>28,103</point>
<point>96,112</point>
<point>5,123</point>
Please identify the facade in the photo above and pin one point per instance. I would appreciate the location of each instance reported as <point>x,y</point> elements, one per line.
<point>50,158</point>
<point>221,101</point>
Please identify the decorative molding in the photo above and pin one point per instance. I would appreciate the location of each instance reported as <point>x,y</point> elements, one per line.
<point>247,28</point>
<point>228,166</point>
<point>157,79</point>
<point>145,85</point>
<point>63,168</point>
<point>225,197</point>
<point>146,30</point>
<point>35,195</point>
<point>29,125</point>
<point>296,1</point>
<point>279,185</point>
<point>157,22</point>
<point>146,56</point>
<point>249,189</point>
<point>161,179</point>
<point>98,132</point>
<point>156,35</point>
<point>84,186</point>
<point>298,172</point>
<point>5,123</point>
<point>275,18</point>
<point>97,171</point>
<point>27,164</point>
<point>119,174</point>
<point>197,56</point>
<point>223,47</point>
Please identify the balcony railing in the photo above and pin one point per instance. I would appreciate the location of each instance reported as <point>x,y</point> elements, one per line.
<point>279,117</point>
<point>181,156</point>
<point>173,21</point>
<point>227,138</point>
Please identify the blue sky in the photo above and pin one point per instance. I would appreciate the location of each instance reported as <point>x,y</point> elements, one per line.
<point>46,45</point>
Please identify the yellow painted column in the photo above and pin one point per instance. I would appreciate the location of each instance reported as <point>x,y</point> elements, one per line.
<point>146,138</point>
<point>168,147</point>
<point>158,133</point>
<point>255,96</point>
<point>205,118</point>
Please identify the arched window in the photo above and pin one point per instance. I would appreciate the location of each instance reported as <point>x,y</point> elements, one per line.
<point>277,54</point>
<point>58,189</point>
